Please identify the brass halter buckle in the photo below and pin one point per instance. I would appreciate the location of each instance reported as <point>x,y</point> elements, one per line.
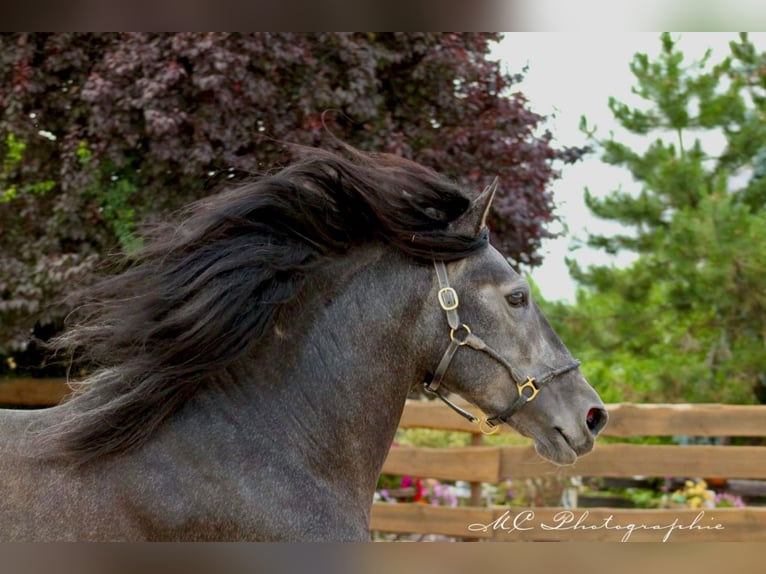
<point>529,383</point>
<point>448,300</point>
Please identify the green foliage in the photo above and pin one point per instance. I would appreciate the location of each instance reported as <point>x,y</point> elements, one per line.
<point>432,438</point>
<point>14,151</point>
<point>118,212</point>
<point>83,152</point>
<point>687,320</point>
<point>693,494</point>
<point>650,496</point>
<point>12,158</point>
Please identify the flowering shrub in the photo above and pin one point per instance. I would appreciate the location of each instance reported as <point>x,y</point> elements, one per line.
<point>423,491</point>
<point>441,494</point>
<point>550,491</point>
<point>726,500</point>
<point>696,494</point>
<point>547,491</point>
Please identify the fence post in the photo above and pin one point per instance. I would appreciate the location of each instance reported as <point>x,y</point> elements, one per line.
<point>475,500</point>
<point>476,440</point>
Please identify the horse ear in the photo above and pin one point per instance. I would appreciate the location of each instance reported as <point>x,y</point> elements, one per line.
<point>475,218</point>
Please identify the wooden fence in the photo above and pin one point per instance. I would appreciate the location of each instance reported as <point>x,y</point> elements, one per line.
<point>492,464</point>
<point>32,393</point>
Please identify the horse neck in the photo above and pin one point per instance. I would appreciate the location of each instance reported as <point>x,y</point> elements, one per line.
<point>327,387</point>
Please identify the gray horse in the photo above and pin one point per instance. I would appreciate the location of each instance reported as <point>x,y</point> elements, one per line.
<point>250,366</point>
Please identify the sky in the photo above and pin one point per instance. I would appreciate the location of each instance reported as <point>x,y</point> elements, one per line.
<point>574,74</point>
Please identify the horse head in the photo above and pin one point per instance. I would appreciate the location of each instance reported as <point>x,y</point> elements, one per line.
<point>502,354</point>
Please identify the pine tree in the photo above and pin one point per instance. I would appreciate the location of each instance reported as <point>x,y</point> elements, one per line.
<point>687,320</point>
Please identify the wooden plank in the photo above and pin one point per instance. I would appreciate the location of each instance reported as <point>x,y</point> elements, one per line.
<point>622,460</point>
<point>594,525</point>
<point>426,519</point>
<point>435,415</point>
<point>28,392</point>
<point>472,464</point>
<point>625,419</point>
<point>492,464</point>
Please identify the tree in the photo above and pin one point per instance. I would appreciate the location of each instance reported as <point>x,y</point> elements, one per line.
<point>687,320</point>
<point>102,132</point>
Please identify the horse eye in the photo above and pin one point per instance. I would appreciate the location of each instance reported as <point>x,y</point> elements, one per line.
<point>517,298</point>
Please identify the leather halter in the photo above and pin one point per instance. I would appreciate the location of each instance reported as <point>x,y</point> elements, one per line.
<point>460,336</point>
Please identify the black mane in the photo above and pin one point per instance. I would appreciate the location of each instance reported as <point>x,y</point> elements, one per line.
<point>205,289</point>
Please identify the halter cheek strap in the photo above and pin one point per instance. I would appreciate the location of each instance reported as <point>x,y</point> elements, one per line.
<point>460,336</point>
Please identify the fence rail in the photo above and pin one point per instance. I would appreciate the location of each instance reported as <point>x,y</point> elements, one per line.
<point>625,419</point>
<point>493,464</point>
<point>28,392</point>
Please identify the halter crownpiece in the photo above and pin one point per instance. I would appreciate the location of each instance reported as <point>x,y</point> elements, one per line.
<point>460,335</point>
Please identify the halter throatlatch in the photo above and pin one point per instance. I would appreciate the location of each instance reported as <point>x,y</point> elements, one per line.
<point>460,335</point>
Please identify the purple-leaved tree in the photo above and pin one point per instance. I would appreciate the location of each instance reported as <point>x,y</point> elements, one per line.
<point>101,132</point>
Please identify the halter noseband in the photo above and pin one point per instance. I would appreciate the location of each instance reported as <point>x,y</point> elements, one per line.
<point>461,335</point>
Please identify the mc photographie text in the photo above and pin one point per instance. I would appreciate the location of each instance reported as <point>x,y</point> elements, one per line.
<point>567,520</point>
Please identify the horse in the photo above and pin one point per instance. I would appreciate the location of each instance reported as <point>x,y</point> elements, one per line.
<point>249,366</point>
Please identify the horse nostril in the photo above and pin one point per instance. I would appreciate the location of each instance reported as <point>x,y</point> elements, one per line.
<point>596,419</point>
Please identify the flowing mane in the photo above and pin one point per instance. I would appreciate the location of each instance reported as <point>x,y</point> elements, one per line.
<point>207,287</point>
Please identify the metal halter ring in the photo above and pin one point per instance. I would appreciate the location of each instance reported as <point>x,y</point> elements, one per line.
<point>529,383</point>
<point>461,342</point>
<point>487,428</point>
